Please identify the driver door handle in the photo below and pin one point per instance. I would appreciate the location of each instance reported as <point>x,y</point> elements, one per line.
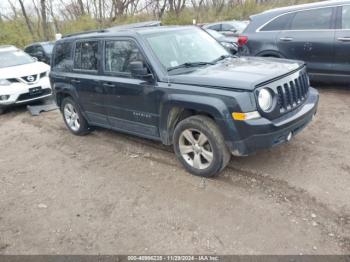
<point>75,81</point>
<point>108,84</point>
<point>286,39</point>
<point>344,39</point>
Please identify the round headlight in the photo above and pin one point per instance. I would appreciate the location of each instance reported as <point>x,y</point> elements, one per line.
<point>265,99</point>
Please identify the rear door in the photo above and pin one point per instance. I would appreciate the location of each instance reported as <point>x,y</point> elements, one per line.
<point>310,37</point>
<point>342,42</point>
<point>85,79</point>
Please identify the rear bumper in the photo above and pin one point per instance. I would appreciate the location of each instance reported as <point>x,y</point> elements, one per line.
<point>267,134</point>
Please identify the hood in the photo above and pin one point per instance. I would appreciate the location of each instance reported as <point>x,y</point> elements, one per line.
<point>238,73</point>
<point>23,70</point>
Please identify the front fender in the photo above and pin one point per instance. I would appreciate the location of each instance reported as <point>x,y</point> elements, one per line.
<point>173,105</point>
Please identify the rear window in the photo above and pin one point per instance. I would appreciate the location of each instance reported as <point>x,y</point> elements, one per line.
<point>278,24</point>
<point>86,55</point>
<point>316,19</point>
<point>62,58</point>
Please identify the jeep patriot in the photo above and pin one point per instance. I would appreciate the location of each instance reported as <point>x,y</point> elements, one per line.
<point>178,85</point>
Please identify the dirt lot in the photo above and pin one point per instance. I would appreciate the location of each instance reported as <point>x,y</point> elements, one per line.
<point>111,193</point>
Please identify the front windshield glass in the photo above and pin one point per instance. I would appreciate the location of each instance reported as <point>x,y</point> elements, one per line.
<point>48,47</point>
<point>191,45</point>
<point>14,58</point>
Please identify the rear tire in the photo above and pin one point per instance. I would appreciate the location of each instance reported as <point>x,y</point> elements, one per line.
<point>200,147</point>
<point>73,117</point>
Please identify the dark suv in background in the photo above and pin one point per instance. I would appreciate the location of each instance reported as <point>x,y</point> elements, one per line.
<point>42,51</point>
<point>317,33</point>
<point>163,83</point>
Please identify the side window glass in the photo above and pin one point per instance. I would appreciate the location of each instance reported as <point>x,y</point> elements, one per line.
<point>86,55</point>
<point>215,27</point>
<point>119,54</point>
<point>62,57</point>
<point>278,24</point>
<point>346,17</point>
<point>313,19</point>
<point>227,27</point>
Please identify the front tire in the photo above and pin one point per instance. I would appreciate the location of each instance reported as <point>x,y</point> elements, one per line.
<point>73,117</point>
<point>200,147</point>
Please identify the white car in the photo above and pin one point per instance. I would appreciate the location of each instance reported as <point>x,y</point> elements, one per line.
<point>22,78</point>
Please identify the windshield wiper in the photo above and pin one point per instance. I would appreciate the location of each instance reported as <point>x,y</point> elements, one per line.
<point>220,58</point>
<point>190,64</point>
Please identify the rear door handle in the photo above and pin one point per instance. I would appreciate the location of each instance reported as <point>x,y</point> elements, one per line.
<point>286,39</point>
<point>344,39</point>
<point>107,84</point>
<point>75,81</point>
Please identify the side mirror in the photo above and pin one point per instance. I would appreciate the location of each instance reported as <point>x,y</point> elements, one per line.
<point>137,69</point>
<point>39,54</point>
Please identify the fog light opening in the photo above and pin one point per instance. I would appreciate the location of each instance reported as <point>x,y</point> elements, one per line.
<point>4,97</point>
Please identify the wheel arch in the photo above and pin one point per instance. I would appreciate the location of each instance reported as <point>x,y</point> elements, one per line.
<point>179,107</point>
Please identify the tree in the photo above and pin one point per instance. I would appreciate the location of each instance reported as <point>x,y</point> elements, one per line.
<point>44,20</point>
<point>28,22</point>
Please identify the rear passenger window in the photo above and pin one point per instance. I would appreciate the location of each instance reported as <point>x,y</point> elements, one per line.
<point>346,17</point>
<point>215,27</point>
<point>62,57</point>
<point>313,19</point>
<point>119,54</point>
<point>278,24</point>
<point>86,55</point>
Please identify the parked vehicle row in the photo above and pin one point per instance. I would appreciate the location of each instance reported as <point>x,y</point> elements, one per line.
<point>317,33</point>
<point>22,78</point>
<point>163,83</point>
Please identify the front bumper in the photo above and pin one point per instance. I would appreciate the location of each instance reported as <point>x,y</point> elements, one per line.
<point>265,134</point>
<point>18,93</point>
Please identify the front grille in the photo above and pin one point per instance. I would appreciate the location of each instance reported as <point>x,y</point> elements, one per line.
<point>292,93</point>
<point>30,78</point>
<point>28,96</point>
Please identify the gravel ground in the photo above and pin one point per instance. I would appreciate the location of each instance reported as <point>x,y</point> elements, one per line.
<point>110,193</point>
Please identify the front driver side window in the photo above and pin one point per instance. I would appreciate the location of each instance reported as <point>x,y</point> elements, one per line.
<point>119,54</point>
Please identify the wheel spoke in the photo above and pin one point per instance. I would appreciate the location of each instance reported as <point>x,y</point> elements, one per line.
<point>67,112</point>
<point>185,149</point>
<point>76,123</point>
<point>207,155</point>
<point>189,136</point>
<point>202,139</point>
<point>197,161</point>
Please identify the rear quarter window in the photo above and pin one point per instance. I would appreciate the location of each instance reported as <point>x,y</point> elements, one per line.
<point>278,24</point>
<point>63,57</point>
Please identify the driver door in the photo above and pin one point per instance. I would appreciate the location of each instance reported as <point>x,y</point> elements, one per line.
<point>133,103</point>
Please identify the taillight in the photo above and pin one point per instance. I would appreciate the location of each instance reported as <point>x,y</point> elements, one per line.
<point>242,40</point>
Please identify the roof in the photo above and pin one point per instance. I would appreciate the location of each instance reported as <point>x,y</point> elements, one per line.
<point>304,6</point>
<point>128,30</point>
<point>116,29</point>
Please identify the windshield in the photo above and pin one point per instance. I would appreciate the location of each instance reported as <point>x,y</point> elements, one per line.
<point>14,58</point>
<point>191,45</point>
<point>48,47</point>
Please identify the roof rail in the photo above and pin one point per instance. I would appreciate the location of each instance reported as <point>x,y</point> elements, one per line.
<point>85,32</point>
<point>136,25</point>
